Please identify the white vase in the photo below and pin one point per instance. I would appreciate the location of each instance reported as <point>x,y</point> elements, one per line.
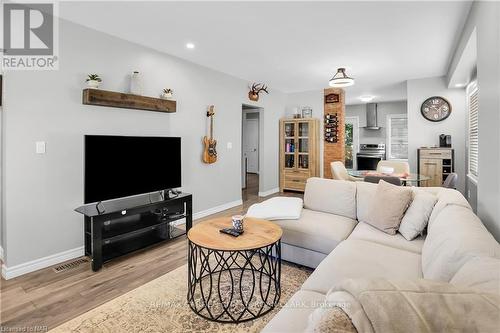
<point>135,84</point>
<point>94,84</point>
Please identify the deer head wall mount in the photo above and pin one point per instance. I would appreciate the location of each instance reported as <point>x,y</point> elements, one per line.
<point>255,90</point>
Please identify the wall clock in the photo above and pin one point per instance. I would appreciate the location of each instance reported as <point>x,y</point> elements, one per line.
<point>435,108</point>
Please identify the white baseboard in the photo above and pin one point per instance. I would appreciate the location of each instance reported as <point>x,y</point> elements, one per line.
<point>271,191</point>
<point>217,209</point>
<point>34,265</point>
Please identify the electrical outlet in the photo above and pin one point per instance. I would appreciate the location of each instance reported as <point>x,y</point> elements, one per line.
<point>40,147</point>
<point>229,145</point>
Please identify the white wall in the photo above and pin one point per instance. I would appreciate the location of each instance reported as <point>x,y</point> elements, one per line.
<point>424,133</point>
<point>484,20</point>
<point>41,191</point>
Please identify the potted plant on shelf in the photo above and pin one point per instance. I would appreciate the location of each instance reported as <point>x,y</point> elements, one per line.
<point>167,93</point>
<point>93,81</point>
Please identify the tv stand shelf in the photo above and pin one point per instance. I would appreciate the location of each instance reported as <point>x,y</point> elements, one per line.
<point>130,224</point>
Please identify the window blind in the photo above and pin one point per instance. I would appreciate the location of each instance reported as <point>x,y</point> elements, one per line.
<point>398,138</point>
<point>473,130</point>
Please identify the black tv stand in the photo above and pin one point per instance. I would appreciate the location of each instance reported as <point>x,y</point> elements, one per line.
<point>130,224</point>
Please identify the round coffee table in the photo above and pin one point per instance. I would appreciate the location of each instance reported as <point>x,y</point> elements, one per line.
<point>234,279</point>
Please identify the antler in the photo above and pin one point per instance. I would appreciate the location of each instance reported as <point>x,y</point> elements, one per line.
<point>258,87</point>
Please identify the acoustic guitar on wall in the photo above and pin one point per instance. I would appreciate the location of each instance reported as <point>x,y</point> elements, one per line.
<point>209,151</point>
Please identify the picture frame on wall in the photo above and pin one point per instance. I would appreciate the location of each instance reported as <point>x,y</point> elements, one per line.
<point>332,98</point>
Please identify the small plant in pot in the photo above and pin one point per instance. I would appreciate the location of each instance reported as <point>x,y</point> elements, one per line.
<point>93,81</point>
<point>167,93</point>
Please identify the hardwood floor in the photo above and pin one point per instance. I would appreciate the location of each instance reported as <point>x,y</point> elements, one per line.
<point>46,298</point>
<point>251,192</point>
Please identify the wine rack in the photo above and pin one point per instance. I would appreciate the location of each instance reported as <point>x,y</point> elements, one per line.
<point>331,128</point>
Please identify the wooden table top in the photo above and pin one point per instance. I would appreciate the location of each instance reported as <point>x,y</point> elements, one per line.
<point>258,233</point>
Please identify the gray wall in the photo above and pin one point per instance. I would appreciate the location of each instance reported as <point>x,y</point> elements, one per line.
<point>484,19</point>
<point>383,109</point>
<point>41,191</point>
<point>424,133</point>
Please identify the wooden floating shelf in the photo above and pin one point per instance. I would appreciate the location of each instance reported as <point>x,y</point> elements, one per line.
<point>127,101</point>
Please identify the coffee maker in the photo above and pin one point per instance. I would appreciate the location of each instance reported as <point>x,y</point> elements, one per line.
<point>445,141</point>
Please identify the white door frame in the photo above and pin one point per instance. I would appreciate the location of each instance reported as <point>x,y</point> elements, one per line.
<point>355,138</point>
<point>260,111</point>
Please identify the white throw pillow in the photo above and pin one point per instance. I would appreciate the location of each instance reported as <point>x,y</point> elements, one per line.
<point>277,208</point>
<point>417,215</point>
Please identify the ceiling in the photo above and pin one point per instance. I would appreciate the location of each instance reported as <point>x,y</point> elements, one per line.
<point>293,46</point>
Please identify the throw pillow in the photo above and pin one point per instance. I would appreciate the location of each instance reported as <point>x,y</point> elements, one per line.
<point>389,206</point>
<point>417,215</point>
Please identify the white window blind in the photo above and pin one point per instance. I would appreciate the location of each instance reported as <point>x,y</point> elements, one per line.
<point>473,129</point>
<point>398,137</point>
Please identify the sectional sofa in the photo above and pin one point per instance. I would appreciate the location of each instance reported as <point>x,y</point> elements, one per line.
<point>332,237</point>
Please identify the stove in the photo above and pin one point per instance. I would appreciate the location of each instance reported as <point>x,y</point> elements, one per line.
<point>369,155</point>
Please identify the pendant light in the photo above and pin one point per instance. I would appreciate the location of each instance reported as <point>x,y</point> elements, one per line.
<point>340,79</point>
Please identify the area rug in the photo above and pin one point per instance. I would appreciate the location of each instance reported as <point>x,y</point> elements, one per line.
<point>161,306</point>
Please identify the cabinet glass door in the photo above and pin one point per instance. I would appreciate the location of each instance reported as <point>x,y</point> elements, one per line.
<point>304,161</point>
<point>303,153</point>
<point>304,130</point>
<point>290,145</point>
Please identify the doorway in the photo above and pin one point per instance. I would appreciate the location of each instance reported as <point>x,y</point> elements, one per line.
<point>351,142</point>
<point>250,154</point>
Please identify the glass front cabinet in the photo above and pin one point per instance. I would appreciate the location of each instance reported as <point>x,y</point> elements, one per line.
<point>299,152</point>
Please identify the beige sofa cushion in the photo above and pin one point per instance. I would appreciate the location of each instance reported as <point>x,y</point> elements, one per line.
<point>365,192</point>
<point>354,258</point>
<point>366,232</point>
<point>480,273</point>
<point>331,196</point>
<point>447,197</point>
<point>316,231</point>
<point>456,236</point>
<point>293,317</point>
<point>388,206</point>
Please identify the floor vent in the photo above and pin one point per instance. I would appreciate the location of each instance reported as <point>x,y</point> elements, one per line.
<point>70,265</point>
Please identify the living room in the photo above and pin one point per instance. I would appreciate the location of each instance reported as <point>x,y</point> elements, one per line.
<point>196,63</point>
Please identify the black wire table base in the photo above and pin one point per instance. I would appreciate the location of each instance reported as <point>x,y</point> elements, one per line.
<point>233,286</point>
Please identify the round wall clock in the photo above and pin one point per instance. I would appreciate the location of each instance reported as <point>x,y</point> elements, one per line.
<point>435,108</point>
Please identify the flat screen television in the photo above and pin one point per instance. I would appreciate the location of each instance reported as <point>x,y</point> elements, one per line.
<point>121,166</point>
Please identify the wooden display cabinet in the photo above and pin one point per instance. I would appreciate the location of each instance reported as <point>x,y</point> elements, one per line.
<point>299,152</point>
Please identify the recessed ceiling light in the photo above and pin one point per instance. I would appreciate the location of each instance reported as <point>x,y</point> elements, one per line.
<point>340,79</point>
<point>366,98</point>
<point>190,45</point>
<point>459,85</point>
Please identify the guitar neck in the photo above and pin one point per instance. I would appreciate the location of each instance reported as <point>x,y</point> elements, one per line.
<point>211,127</point>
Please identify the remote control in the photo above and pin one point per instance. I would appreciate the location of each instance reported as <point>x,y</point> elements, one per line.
<point>231,231</point>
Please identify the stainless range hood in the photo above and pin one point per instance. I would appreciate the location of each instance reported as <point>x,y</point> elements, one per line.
<point>371,117</point>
